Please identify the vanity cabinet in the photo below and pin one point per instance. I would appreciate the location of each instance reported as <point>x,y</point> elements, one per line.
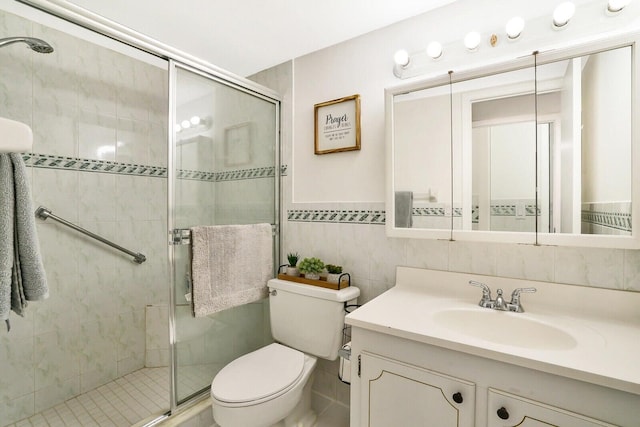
<point>419,344</point>
<point>392,392</point>
<point>507,410</point>
<point>399,394</point>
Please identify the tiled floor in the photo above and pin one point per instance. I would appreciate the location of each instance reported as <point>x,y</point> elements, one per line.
<point>135,397</point>
<point>122,402</point>
<point>336,415</point>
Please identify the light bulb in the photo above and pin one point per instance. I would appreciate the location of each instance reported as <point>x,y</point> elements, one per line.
<point>178,127</point>
<point>195,120</point>
<point>401,58</point>
<point>186,124</point>
<point>563,13</point>
<point>615,6</point>
<point>472,41</point>
<point>514,27</point>
<point>434,50</point>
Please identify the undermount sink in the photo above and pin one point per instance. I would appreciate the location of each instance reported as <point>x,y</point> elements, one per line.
<point>505,328</point>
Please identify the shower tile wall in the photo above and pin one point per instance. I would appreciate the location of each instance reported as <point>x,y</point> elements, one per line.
<point>85,102</point>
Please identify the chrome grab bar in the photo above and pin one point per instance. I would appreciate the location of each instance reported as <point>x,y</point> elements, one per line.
<point>44,213</point>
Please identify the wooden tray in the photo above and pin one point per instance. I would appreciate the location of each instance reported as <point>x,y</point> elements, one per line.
<point>322,282</point>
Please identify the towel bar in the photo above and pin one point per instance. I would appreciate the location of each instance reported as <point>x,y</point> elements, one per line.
<point>182,236</point>
<point>44,213</point>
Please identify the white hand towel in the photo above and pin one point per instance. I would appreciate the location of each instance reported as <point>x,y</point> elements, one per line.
<point>230,266</point>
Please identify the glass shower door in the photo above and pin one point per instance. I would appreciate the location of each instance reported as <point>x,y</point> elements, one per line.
<point>226,169</point>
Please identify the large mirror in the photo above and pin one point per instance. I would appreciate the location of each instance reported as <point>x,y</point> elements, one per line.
<point>534,152</point>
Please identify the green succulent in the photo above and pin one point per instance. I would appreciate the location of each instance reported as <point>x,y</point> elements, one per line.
<point>311,265</point>
<point>334,269</point>
<point>293,258</point>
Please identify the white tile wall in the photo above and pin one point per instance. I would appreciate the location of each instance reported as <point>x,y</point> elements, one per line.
<point>89,102</point>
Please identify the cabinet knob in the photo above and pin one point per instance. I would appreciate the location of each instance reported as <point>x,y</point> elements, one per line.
<point>503,414</point>
<point>457,397</point>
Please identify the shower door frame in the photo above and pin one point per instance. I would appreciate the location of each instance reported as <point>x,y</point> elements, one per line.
<point>171,180</point>
<point>175,58</point>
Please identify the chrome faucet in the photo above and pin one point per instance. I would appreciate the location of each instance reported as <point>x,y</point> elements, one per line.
<point>499,303</point>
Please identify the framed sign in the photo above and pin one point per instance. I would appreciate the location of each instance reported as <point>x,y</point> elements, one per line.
<point>337,125</point>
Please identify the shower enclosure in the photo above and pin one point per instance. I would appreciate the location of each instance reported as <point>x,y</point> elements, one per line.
<point>132,139</point>
<point>225,161</point>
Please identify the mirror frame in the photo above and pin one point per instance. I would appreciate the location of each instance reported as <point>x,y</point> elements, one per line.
<point>534,238</point>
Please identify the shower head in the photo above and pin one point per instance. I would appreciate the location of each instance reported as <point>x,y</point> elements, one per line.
<point>36,45</point>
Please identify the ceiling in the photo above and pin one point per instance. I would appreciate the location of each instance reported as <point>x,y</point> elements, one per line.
<point>247,36</point>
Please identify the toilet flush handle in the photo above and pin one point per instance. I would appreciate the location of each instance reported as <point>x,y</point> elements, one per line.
<point>273,292</point>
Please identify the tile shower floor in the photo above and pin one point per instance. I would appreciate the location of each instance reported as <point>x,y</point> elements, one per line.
<point>120,403</point>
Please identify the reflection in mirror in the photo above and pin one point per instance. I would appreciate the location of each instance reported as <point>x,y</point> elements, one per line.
<point>422,159</point>
<point>540,154</point>
<point>588,185</point>
<point>499,142</point>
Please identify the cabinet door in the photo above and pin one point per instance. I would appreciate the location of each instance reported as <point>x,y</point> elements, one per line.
<point>397,394</point>
<point>508,410</point>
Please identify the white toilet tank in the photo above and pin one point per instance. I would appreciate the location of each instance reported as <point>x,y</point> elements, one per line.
<point>309,318</point>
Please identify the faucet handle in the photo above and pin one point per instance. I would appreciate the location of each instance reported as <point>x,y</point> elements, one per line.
<point>515,298</point>
<point>516,292</point>
<point>486,293</point>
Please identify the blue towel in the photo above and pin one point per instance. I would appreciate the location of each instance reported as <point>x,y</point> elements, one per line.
<point>22,275</point>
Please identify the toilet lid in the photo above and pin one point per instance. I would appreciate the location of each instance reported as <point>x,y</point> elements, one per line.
<point>258,375</point>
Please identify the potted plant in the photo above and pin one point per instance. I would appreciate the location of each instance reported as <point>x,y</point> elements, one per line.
<point>293,258</point>
<point>334,273</point>
<point>311,268</point>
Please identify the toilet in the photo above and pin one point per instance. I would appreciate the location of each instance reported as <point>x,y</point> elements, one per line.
<point>271,387</point>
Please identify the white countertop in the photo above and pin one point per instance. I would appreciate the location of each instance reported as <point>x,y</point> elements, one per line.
<point>602,326</point>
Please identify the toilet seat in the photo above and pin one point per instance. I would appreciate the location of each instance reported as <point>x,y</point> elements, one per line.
<point>258,376</point>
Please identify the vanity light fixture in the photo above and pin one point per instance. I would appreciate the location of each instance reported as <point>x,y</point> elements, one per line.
<point>195,123</point>
<point>514,27</point>
<point>472,41</point>
<point>615,6</point>
<point>401,58</point>
<point>563,14</point>
<point>434,50</point>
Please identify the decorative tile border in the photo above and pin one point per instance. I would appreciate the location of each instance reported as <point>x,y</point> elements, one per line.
<point>435,211</point>
<point>235,175</point>
<point>502,210</point>
<point>510,210</point>
<point>337,216</point>
<point>430,211</point>
<point>610,215</point>
<point>48,161</point>
<point>355,216</point>
<point>616,220</point>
